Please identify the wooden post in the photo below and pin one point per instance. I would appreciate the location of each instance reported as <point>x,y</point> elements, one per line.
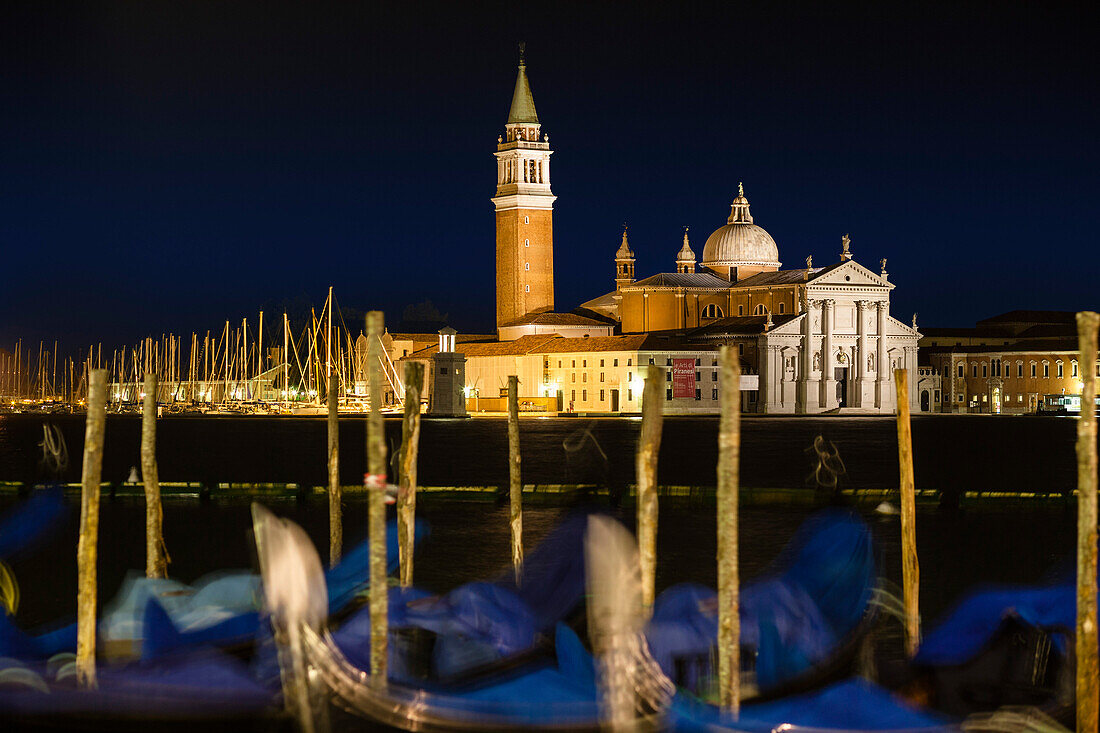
<point>515,480</point>
<point>156,554</point>
<point>376,501</point>
<point>335,495</point>
<point>729,474</point>
<point>910,568</point>
<point>1088,675</point>
<point>89,528</point>
<point>649,445</point>
<point>406,495</point>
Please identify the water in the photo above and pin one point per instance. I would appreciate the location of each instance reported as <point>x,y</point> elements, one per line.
<point>994,542</point>
<point>952,452</point>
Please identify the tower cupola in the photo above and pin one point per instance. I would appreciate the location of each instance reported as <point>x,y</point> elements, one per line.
<point>685,258</point>
<point>624,263</point>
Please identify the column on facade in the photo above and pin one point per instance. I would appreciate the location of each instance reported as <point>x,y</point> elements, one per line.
<point>861,351</point>
<point>546,169</point>
<point>882,365</point>
<point>828,377</point>
<point>914,381</point>
<point>805,371</point>
<point>680,308</point>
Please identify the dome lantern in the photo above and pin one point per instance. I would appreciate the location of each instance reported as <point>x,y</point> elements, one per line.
<point>740,248</point>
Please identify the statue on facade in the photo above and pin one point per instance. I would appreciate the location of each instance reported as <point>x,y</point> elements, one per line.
<point>817,361</point>
<point>882,262</point>
<point>871,362</point>
<point>845,245</point>
<point>914,321</point>
<point>809,262</point>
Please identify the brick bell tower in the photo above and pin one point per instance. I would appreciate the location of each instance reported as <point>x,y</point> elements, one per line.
<point>524,211</point>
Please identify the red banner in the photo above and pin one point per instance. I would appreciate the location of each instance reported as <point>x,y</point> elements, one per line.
<point>683,377</point>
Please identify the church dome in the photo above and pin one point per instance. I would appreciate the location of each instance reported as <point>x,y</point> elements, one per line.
<point>740,242</point>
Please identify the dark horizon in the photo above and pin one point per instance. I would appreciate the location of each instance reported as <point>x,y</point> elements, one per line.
<point>168,167</point>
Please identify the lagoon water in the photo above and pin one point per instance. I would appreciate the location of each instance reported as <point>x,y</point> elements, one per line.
<point>996,541</point>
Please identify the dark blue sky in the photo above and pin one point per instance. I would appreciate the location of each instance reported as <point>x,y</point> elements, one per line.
<point>167,166</point>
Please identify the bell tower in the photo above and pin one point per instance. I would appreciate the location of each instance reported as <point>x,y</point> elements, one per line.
<point>524,209</point>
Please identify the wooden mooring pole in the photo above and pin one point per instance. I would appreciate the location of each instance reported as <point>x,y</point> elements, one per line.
<point>156,554</point>
<point>910,569</point>
<point>410,446</point>
<point>649,445</point>
<point>1088,673</point>
<point>89,528</point>
<point>729,464</point>
<point>335,493</point>
<point>515,480</point>
<point>375,481</point>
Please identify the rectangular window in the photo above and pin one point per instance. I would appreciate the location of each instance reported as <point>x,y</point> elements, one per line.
<point>975,370</point>
<point>614,362</point>
<point>698,376</point>
<point>601,362</point>
<point>668,394</point>
<point>1019,398</point>
<point>584,395</point>
<point>1060,373</point>
<point>1033,370</point>
<point>740,349</point>
<point>584,363</point>
<point>668,361</point>
<point>442,370</point>
<point>573,395</point>
<point>960,370</point>
<point>714,376</point>
<point>740,310</point>
<point>1020,370</point>
<point>601,376</point>
<point>1046,370</point>
<point>628,362</point>
<point>629,395</point>
<point>698,394</point>
<point>573,377</point>
<point>985,370</point>
<point>584,377</point>
<point>714,393</point>
<point>651,361</point>
<point>668,375</point>
<point>574,363</point>
<point>559,363</point>
<point>601,395</point>
<point>698,362</point>
<point>960,398</point>
<point>629,376</point>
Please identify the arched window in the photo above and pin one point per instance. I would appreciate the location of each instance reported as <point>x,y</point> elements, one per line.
<point>712,311</point>
<point>781,309</point>
<point>760,310</point>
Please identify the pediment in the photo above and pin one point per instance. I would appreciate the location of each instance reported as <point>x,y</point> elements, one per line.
<point>792,327</point>
<point>849,274</point>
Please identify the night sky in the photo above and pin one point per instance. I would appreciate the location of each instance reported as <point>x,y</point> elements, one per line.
<point>168,166</point>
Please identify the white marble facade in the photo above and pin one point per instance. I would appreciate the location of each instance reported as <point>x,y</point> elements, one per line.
<point>841,350</point>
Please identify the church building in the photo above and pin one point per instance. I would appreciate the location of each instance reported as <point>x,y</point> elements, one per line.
<point>820,338</point>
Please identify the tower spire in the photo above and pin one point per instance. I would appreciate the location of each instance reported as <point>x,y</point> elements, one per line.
<point>624,263</point>
<point>522,111</point>
<point>685,258</point>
